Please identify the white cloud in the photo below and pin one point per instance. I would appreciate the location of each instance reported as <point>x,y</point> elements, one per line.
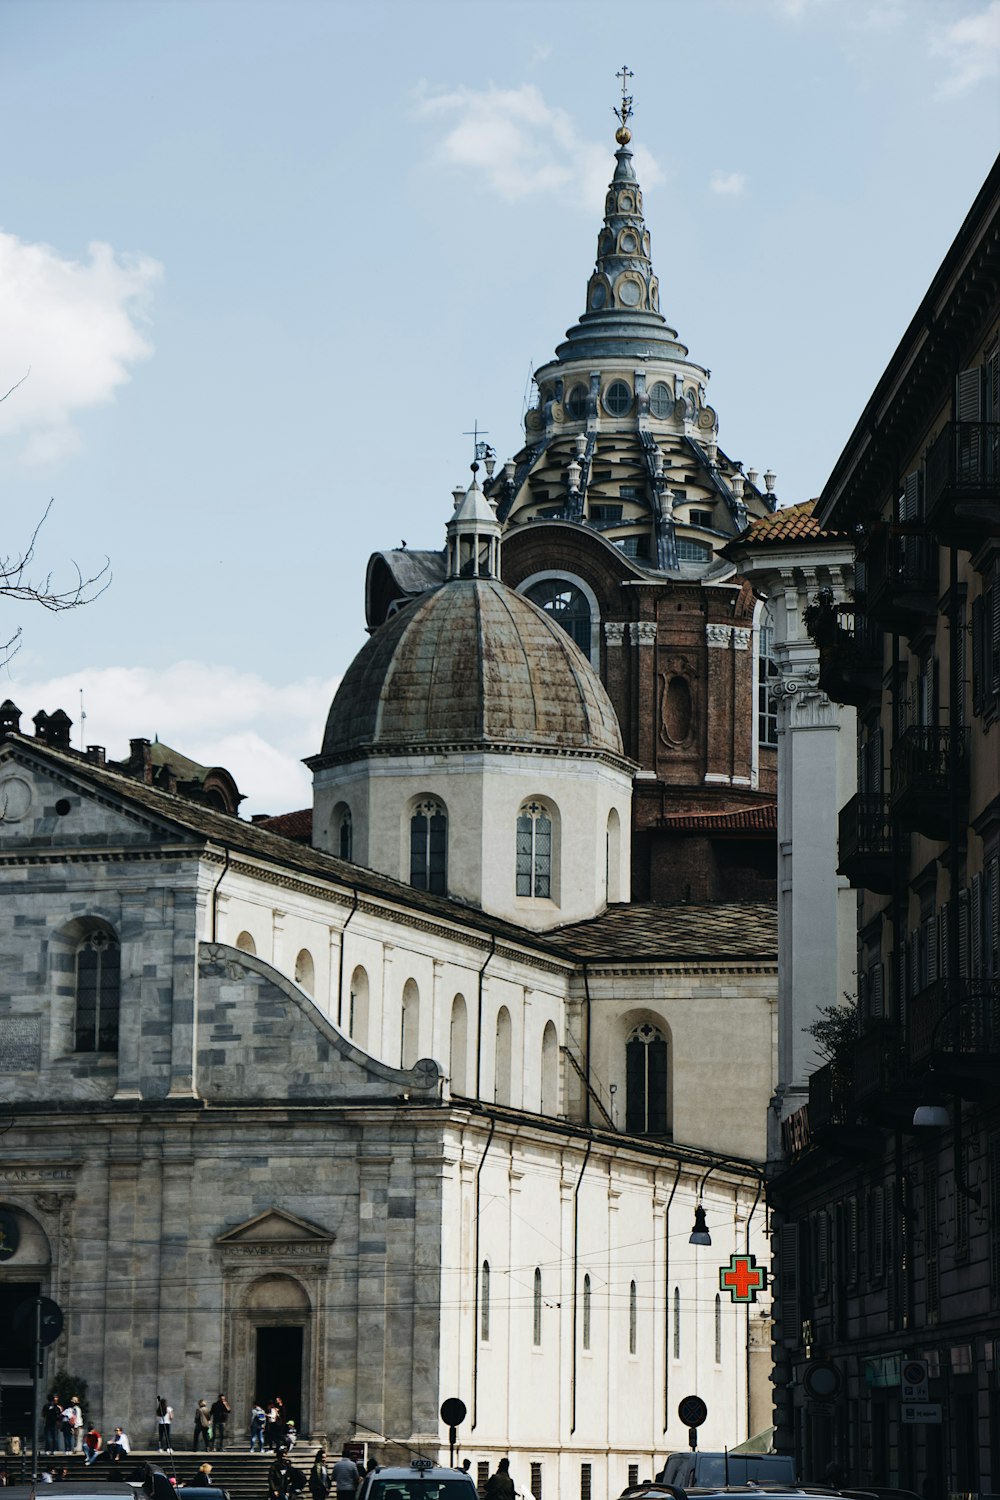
<point>215,715</point>
<point>969,49</point>
<point>730,184</point>
<point>520,145</point>
<point>77,325</point>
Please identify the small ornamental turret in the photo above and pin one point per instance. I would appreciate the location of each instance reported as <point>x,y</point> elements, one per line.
<point>473,545</point>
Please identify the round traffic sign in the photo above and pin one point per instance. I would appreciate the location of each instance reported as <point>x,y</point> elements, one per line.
<point>51,1322</point>
<point>453,1411</point>
<point>822,1380</point>
<point>692,1411</point>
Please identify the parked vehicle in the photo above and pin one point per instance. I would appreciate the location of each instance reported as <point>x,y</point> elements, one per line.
<point>420,1481</point>
<point>704,1467</point>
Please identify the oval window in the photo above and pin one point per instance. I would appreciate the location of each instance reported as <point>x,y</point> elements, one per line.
<point>617,398</point>
<point>629,243</point>
<point>661,400</point>
<point>677,710</point>
<point>576,406</point>
<point>630,293</point>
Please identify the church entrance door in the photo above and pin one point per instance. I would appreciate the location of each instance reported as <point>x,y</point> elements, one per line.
<point>17,1344</point>
<point>278,1369</point>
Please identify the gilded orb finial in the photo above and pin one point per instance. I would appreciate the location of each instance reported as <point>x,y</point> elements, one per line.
<point>623,111</point>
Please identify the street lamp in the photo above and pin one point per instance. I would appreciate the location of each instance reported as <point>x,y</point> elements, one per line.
<point>699,1234</point>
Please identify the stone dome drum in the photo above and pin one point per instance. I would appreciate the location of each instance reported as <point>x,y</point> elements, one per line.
<point>470,664</point>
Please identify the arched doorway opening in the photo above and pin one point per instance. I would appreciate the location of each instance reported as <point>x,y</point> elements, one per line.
<point>279,1313</point>
<point>25,1261</point>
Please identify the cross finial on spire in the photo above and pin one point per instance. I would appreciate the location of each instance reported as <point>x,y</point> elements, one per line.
<point>623,112</point>
<point>481,451</point>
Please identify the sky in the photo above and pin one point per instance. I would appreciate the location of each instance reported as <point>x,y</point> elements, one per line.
<point>264,263</point>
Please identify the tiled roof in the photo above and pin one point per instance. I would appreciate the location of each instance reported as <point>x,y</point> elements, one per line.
<point>764,818</point>
<point>795,523</point>
<point>685,930</point>
<point>292,825</point>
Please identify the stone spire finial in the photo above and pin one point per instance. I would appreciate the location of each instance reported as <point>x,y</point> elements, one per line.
<point>473,546</point>
<point>623,278</point>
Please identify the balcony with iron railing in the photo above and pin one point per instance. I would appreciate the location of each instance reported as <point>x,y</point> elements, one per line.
<point>962,483</point>
<point>878,1065</point>
<point>865,842</point>
<point>953,1025</point>
<point>901,576</point>
<point>850,650</point>
<point>929,767</point>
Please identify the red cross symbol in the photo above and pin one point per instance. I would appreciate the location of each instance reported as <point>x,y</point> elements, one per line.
<point>743,1278</point>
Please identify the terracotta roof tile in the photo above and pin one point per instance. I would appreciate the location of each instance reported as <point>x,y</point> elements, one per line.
<point>794,523</point>
<point>292,825</point>
<point>764,818</point>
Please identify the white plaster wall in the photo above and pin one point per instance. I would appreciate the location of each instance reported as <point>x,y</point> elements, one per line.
<point>482,795</point>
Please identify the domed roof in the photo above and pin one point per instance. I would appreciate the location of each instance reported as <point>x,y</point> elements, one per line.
<point>470,663</point>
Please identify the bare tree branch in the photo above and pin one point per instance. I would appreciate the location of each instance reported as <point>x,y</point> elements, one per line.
<point>16,582</point>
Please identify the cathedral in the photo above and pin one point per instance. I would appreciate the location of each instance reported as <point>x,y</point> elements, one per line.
<point>455,1085</point>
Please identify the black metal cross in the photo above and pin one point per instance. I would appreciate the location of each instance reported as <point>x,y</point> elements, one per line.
<point>624,113</point>
<point>482,450</point>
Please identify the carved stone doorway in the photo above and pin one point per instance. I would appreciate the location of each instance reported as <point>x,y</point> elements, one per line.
<point>278,1368</point>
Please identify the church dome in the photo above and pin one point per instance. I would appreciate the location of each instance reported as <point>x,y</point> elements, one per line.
<point>470,664</point>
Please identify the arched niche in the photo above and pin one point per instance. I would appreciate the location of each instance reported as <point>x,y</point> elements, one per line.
<point>409,1024</point>
<point>459,1046</point>
<point>550,1070</point>
<point>358,1008</point>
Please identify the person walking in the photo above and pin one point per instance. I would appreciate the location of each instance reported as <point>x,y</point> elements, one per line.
<point>346,1477</point>
<point>500,1486</point>
<point>258,1421</point>
<point>164,1420</point>
<point>220,1415</point>
<point>279,1476</point>
<point>319,1477</point>
<point>202,1425</point>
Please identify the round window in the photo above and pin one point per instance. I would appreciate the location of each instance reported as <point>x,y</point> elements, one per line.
<point>661,401</point>
<point>617,398</point>
<point>629,244</point>
<point>625,203</point>
<point>630,293</point>
<point>576,406</point>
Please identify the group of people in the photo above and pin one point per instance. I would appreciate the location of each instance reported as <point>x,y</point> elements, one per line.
<point>271,1428</point>
<point>340,1478</point>
<point>62,1424</point>
<point>210,1423</point>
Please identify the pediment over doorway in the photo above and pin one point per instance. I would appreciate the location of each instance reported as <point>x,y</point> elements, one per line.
<point>277,1233</point>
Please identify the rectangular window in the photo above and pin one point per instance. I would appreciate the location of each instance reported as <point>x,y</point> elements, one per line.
<point>767,672</point>
<point>932,1285</point>
<point>605,515</point>
<point>482,1475</point>
<point>691,551</point>
<point>633,1475</point>
<point>536,1480</point>
<point>629,492</point>
<point>633,546</point>
<point>584,1482</point>
<point>701,518</point>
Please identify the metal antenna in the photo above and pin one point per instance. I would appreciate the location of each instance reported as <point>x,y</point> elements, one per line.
<point>83,721</point>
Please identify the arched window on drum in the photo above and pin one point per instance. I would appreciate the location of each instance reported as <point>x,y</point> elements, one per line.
<point>429,846</point>
<point>566,603</point>
<point>646,1082</point>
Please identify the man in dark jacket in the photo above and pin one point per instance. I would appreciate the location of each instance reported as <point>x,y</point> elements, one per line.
<point>500,1486</point>
<point>220,1415</point>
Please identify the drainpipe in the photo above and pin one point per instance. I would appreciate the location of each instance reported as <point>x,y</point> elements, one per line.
<point>666,1300</point>
<point>586,1052</point>
<point>479,1020</point>
<point>476,1275</point>
<point>215,894</point>
<point>340,975</point>
<point>576,1251</point>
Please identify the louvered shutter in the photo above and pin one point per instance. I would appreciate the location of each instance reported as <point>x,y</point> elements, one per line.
<point>969,395</point>
<point>992,915</point>
<point>852,1240</point>
<point>878,1233</point>
<point>930,950</point>
<point>823,1253</point>
<point>995,1220</point>
<point>910,499</point>
<point>875,762</point>
<point>979,643</point>
<point>789,1306</point>
<point>958,688</point>
<point>944,941</point>
<point>877,989</point>
<point>976,926</point>
<point>992,663</point>
<point>964,906</point>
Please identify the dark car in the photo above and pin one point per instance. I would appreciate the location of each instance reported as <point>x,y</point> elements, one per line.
<point>709,1469</point>
<point>420,1481</point>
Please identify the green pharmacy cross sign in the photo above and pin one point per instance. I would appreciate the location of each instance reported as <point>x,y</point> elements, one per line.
<point>743,1278</point>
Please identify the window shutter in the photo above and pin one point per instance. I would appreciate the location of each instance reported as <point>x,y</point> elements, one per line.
<point>976,925</point>
<point>877,991</point>
<point>823,1252</point>
<point>852,1241</point>
<point>790,1329</point>
<point>931,950</point>
<point>963,934</point>
<point>931,1284</point>
<point>878,1233</point>
<point>994,1169</point>
<point>958,688</point>
<point>993,644</point>
<point>944,941</point>
<point>915,966</point>
<point>910,507</point>
<point>992,923</point>
<point>864,999</point>
<point>978,655</point>
<point>969,395</point>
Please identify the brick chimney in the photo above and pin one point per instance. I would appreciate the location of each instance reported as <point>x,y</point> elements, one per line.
<point>141,759</point>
